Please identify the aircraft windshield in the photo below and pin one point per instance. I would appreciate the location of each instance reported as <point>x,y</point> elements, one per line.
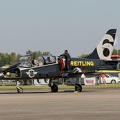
<point>25,61</point>
<point>24,58</point>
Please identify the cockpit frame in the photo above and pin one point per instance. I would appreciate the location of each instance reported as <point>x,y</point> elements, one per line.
<point>27,61</point>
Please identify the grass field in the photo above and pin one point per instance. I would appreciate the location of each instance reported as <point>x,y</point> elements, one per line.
<point>62,87</point>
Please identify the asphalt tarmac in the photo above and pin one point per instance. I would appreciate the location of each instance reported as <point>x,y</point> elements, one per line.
<point>91,104</point>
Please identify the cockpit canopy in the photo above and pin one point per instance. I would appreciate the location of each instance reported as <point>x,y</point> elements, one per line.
<point>47,59</point>
<point>27,61</point>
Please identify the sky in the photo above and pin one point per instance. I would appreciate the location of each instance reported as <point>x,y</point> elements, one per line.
<point>56,25</point>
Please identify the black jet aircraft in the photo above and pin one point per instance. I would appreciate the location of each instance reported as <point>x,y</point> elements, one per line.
<point>53,67</point>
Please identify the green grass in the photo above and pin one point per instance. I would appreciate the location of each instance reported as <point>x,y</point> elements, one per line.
<point>62,87</point>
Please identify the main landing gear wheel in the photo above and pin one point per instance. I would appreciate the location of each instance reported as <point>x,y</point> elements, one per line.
<point>54,88</point>
<point>78,87</point>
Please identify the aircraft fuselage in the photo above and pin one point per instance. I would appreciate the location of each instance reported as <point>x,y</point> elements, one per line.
<point>86,66</point>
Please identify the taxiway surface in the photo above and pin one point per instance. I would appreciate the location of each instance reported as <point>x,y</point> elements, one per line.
<point>90,104</point>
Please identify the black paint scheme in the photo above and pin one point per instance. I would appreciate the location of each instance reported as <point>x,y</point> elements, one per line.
<point>53,67</point>
<point>52,70</point>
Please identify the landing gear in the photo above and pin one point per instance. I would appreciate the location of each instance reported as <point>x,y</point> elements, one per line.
<point>78,87</point>
<point>54,88</point>
<point>18,88</point>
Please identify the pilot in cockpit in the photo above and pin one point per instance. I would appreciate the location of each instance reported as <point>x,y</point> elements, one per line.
<point>52,59</point>
<point>36,63</point>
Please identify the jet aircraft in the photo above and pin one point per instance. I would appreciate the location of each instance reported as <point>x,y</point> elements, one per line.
<point>53,67</point>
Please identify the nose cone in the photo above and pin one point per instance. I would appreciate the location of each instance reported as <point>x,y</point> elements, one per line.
<point>11,68</point>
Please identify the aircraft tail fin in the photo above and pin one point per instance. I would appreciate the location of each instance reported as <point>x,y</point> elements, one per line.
<point>105,47</point>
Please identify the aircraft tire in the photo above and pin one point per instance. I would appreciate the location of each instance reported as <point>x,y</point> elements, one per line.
<point>78,87</point>
<point>19,90</point>
<point>54,88</point>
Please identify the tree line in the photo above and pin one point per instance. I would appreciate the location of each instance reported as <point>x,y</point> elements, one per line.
<point>11,58</point>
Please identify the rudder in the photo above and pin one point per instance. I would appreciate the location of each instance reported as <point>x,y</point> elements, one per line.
<point>105,47</point>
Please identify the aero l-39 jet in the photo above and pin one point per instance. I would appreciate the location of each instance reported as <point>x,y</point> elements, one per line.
<point>54,67</point>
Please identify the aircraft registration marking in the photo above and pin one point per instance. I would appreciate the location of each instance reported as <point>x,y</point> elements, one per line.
<point>82,63</point>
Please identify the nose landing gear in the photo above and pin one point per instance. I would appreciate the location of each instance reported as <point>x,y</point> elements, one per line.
<point>18,88</point>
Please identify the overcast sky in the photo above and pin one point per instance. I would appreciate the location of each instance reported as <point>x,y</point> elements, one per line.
<point>56,25</point>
